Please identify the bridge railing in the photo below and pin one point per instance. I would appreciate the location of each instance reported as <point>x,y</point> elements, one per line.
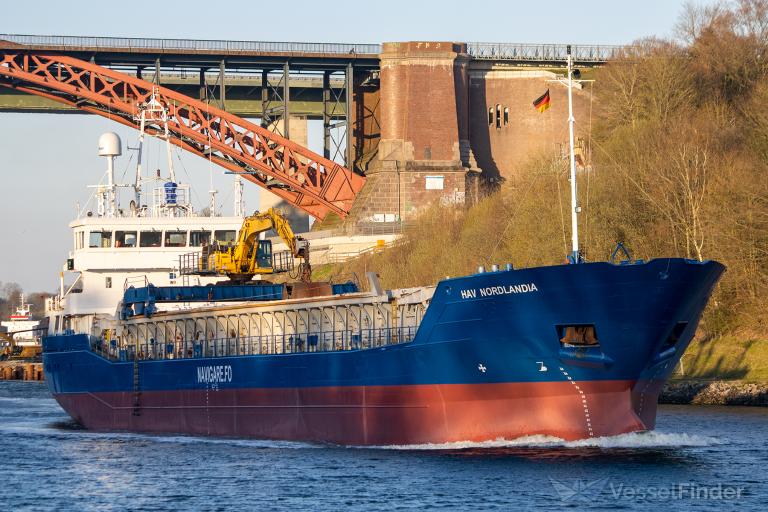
<point>542,52</point>
<point>486,51</point>
<point>107,43</point>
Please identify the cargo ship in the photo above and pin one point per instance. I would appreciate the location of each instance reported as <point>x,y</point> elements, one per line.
<point>206,347</point>
<point>20,334</point>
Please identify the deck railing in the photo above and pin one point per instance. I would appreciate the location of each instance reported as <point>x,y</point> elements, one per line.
<point>122,350</point>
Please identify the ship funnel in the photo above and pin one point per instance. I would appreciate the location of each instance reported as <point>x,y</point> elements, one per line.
<point>109,145</point>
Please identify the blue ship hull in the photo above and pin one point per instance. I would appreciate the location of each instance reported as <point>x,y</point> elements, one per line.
<point>487,362</point>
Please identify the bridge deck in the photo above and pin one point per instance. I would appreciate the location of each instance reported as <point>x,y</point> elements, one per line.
<point>516,52</point>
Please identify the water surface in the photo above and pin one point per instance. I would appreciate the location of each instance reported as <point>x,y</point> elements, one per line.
<point>699,458</point>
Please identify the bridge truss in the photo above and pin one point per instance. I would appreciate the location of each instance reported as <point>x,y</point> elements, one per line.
<point>308,181</point>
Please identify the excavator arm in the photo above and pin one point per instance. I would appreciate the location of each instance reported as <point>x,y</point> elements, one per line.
<point>244,250</point>
<point>247,257</point>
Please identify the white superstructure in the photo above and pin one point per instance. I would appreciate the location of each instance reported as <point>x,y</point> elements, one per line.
<point>116,246</point>
<point>112,253</point>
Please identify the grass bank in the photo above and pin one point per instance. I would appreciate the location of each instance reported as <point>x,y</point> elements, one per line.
<point>728,357</point>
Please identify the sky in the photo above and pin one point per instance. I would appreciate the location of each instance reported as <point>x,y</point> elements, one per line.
<point>47,160</point>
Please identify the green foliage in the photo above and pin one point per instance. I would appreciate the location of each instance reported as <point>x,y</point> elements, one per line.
<point>679,167</point>
<point>522,224</point>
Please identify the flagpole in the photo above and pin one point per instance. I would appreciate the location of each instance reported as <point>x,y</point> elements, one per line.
<point>575,256</point>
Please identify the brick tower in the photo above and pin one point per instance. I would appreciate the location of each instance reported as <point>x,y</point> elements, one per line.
<point>423,155</point>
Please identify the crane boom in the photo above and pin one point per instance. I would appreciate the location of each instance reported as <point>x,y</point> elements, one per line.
<point>250,256</point>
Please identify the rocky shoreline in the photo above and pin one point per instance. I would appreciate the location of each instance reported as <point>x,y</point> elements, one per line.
<point>715,393</point>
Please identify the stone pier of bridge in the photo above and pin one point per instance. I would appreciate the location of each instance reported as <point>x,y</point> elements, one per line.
<point>452,128</point>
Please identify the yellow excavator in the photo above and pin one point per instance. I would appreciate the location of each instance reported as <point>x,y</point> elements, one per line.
<point>250,256</point>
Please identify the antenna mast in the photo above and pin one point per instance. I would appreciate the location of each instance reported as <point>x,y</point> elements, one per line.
<point>239,210</point>
<point>167,138</point>
<point>137,183</point>
<point>212,191</point>
<point>155,112</point>
<point>575,209</point>
<point>109,147</point>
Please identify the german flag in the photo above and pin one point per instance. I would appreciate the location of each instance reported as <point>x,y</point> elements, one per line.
<point>542,102</point>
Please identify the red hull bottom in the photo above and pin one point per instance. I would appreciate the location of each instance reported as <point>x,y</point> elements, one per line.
<point>383,415</point>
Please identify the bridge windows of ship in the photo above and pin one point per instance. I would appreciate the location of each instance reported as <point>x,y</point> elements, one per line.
<point>151,239</point>
<point>100,239</point>
<point>578,335</point>
<point>175,238</point>
<point>79,240</point>
<point>225,236</point>
<point>126,239</point>
<point>199,238</point>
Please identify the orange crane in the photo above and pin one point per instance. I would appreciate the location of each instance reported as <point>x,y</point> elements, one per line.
<point>303,178</point>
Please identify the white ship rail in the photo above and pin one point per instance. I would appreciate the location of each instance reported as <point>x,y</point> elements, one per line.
<point>135,281</point>
<point>123,350</point>
<point>350,321</point>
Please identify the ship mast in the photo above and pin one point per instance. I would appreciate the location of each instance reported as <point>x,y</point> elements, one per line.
<point>23,309</point>
<point>575,209</point>
<point>153,111</point>
<point>109,147</point>
<point>239,209</point>
<point>137,183</point>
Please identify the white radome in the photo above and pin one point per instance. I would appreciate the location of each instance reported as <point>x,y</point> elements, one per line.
<point>110,145</point>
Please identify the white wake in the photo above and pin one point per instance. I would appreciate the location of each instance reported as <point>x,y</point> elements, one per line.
<point>639,440</point>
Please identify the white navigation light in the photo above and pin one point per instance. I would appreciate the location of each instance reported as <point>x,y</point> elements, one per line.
<point>109,145</point>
